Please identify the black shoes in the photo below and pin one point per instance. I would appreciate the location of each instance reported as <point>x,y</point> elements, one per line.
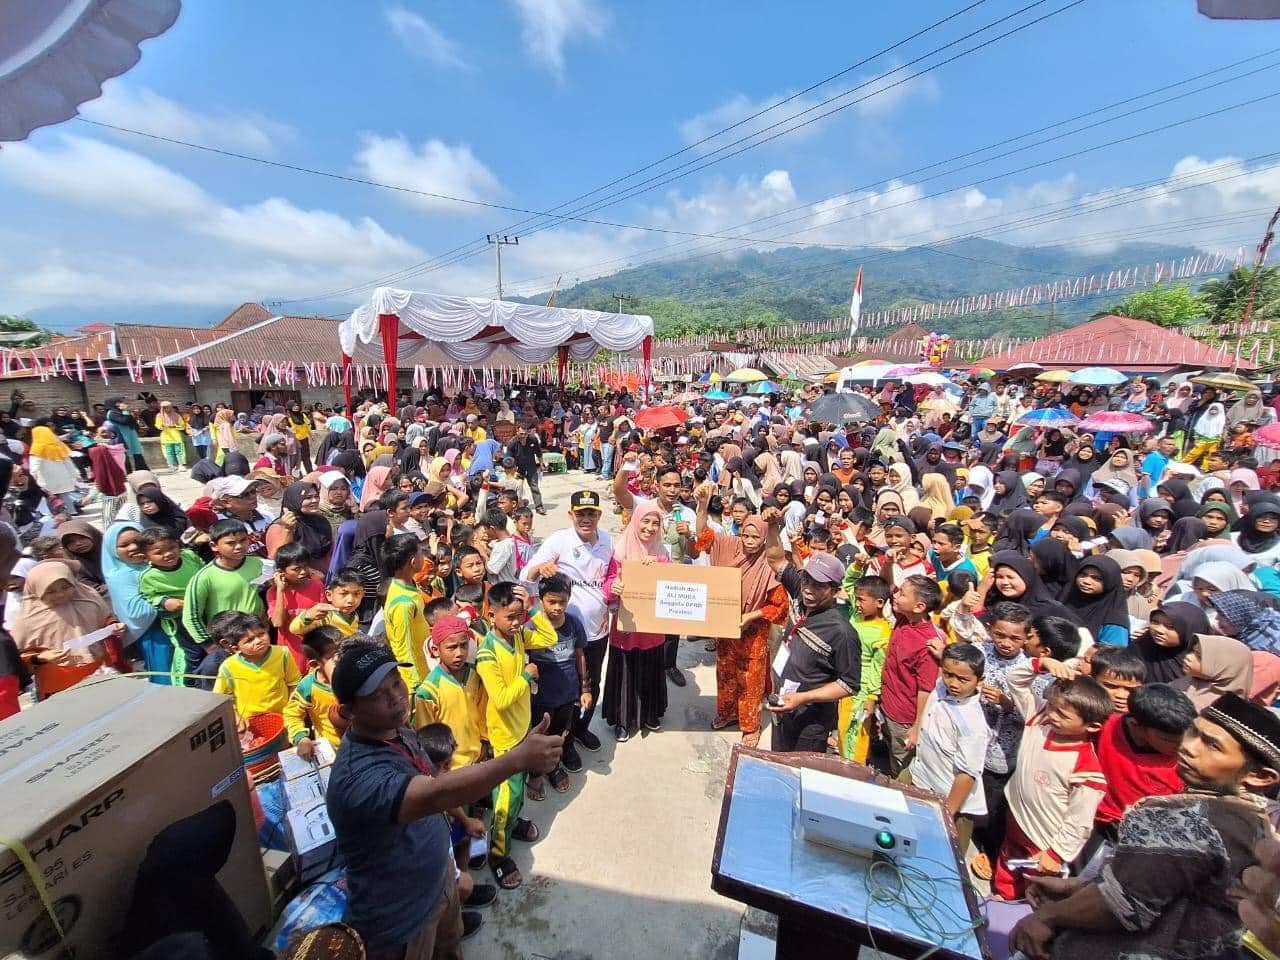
<point>588,740</point>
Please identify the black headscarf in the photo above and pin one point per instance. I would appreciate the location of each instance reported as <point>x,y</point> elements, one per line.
<point>1015,495</point>
<point>1249,539</point>
<point>1071,476</point>
<point>313,531</point>
<point>1164,664</point>
<point>1083,465</point>
<point>366,549</point>
<point>1017,530</point>
<point>334,440</point>
<point>1184,505</point>
<point>1037,598</point>
<point>1111,606</point>
<point>1056,564</point>
<point>1187,532</point>
<point>169,517</point>
<point>349,462</point>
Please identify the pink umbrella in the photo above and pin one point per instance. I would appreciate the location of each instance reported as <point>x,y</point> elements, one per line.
<point>1116,421</point>
<point>1268,435</point>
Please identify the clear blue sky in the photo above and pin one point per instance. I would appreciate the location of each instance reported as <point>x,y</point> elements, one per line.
<point>529,103</point>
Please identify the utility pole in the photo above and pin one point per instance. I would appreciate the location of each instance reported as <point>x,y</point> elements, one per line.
<point>1259,261</point>
<point>623,297</point>
<point>499,241</point>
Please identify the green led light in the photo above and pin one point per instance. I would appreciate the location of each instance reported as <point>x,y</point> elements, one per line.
<point>885,840</point>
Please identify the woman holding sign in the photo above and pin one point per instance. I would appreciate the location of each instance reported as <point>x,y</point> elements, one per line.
<point>635,685</point>
<point>742,663</point>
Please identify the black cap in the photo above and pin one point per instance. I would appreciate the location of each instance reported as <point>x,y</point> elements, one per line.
<point>1256,727</point>
<point>584,500</point>
<point>359,671</point>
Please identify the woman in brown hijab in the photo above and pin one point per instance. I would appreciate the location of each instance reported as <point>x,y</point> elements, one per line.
<point>57,610</point>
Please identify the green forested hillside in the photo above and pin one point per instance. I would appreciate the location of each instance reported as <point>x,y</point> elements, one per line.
<point>760,289</point>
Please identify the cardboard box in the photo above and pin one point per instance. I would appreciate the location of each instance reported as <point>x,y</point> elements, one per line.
<point>312,839</point>
<point>681,599</point>
<point>89,777</point>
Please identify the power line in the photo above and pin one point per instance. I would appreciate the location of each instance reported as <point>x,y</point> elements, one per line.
<point>723,235</point>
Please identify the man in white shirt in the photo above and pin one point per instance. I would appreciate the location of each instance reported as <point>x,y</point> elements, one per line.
<point>582,553</point>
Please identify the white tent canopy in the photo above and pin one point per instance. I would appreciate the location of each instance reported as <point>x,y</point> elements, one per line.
<point>54,54</point>
<point>397,324</point>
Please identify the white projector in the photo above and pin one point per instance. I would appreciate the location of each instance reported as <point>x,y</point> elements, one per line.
<point>854,816</point>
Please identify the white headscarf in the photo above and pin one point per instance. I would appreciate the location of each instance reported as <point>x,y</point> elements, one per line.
<point>982,484</point>
<point>1212,423</point>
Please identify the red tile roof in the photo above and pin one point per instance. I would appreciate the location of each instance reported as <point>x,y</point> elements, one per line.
<point>148,341</point>
<point>1122,342</point>
<point>245,315</point>
<point>911,332</point>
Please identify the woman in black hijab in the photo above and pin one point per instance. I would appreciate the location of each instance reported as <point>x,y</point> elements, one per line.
<point>1096,596</point>
<point>156,509</point>
<point>312,530</point>
<point>1015,579</point>
<point>366,553</point>
<point>1187,532</point>
<point>334,442</point>
<point>1164,646</point>
<point>205,470</point>
<point>1055,564</point>
<point>1017,530</point>
<point>1010,494</point>
<point>1085,460</point>
<point>1250,537</point>
<point>1178,493</point>
<point>1069,478</point>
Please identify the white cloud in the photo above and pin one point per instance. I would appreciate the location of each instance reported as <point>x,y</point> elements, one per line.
<point>423,38</point>
<point>207,252</point>
<point>141,109</point>
<point>548,25</point>
<point>724,205</point>
<point>880,96</point>
<point>435,167</point>
<point>95,174</point>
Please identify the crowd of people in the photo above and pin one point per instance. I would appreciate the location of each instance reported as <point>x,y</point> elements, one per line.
<point>1071,638</point>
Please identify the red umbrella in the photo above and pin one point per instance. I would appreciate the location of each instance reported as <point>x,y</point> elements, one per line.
<point>1115,421</point>
<point>656,418</point>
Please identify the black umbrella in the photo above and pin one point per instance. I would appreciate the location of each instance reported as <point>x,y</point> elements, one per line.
<point>840,407</point>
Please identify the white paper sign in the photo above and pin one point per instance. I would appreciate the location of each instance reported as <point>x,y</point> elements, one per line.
<point>88,639</point>
<point>674,600</point>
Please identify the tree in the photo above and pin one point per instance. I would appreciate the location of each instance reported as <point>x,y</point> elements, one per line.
<point>1165,306</point>
<point>9,322</point>
<point>1225,299</point>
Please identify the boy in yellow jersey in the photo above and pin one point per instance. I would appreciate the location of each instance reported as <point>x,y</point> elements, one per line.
<point>344,595</point>
<point>452,693</point>
<point>259,676</point>
<point>403,613</point>
<point>508,681</point>
<point>857,713</point>
<point>307,716</point>
<point>982,533</point>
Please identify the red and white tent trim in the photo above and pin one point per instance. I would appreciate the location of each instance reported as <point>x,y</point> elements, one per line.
<point>469,329</point>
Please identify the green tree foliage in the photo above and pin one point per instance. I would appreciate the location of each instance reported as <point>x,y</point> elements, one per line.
<point>12,324</point>
<point>1167,306</point>
<point>1224,300</point>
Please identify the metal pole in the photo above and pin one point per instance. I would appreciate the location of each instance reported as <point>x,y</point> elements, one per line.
<point>1258,262</point>
<point>499,241</point>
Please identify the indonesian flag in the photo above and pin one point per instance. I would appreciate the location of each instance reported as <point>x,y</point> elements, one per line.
<point>855,305</point>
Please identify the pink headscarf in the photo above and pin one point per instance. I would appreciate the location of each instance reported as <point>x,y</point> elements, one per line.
<point>631,547</point>
<point>375,485</point>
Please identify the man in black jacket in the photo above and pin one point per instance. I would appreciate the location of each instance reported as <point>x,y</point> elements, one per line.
<point>526,450</point>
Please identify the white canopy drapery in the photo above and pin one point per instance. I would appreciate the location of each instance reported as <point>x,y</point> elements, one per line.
<point>397,324</point>
<point>54,54</point>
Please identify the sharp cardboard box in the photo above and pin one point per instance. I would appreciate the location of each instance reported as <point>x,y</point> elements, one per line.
<point>312,839</point>
<point>682,599</point>
<point>88,778</point>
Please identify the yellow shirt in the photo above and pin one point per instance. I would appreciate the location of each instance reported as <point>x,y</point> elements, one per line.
<point>177,433</point>
<point>300,626</point>
<point>307,712</point>
<point>259,687</point>
<point>301,431</point>
<point>506,682</point>
<point>460,704</point>
<point>476,434</point>
<point>407,630</point>
<point>981,562</point>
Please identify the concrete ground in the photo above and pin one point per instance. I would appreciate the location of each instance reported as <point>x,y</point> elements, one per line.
<point>623,868</point>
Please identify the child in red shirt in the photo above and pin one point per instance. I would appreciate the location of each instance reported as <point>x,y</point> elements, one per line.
<point>294,588</point>
<point>910,666</point>
<point>1138,752</point>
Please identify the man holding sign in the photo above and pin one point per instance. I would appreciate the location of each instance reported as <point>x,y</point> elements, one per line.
<point>582,553</point>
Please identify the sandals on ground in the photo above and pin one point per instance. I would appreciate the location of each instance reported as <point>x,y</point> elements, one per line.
<point>535,790</point>
<point>526,831</point>
<point>506,873</point>
<point>724,724</point>
<point>980,867</point>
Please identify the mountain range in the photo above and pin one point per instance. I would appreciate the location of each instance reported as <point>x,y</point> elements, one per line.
<point>752,288</point>
<point>796,284</point>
